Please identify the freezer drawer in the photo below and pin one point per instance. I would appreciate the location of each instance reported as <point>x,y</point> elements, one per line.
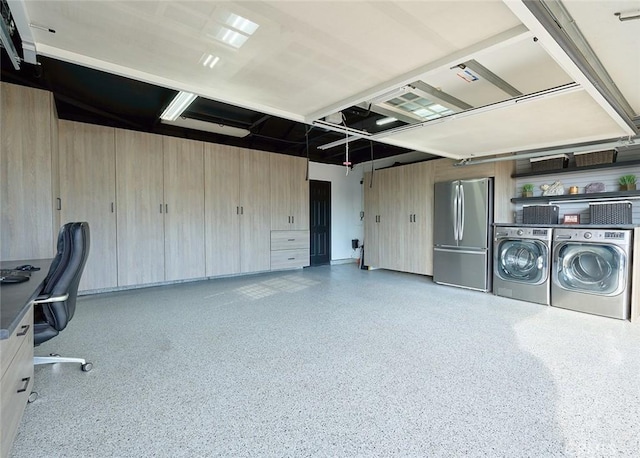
<point>465,268</point>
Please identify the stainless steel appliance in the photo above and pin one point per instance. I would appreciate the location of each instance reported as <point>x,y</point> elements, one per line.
<point>591,271</point>
<point>463,213</point>
<point>522,263</point>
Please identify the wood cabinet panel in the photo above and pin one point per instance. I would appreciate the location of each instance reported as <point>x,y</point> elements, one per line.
<point>289,193</point>
<point>222,209</point>
<point>184,251</point>
<point>255,214</point>
<point>289,259</point>
<point>87,171</point>
<point>140,209</point>
<point>371,226</point>
<point>289,240</point>
<point>26,194</point>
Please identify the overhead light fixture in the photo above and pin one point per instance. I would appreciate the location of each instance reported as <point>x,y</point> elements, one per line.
<point>242,24</point>
<point>177,106</point>
<point>387,120</point>
<point>209,60</point>
<point>215,128</point>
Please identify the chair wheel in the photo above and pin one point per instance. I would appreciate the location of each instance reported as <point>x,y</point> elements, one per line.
<point>86,367</point>
<point>32,397</point>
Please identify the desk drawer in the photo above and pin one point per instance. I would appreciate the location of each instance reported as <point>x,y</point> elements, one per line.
<point>288,259</point>
<point>17,384</point>
<point>21,334</point>
<point>289,240</point>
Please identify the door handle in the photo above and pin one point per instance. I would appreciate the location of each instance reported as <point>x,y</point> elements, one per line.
<point>24,331</point>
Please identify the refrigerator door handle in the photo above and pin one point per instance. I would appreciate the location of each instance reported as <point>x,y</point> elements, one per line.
<point>461,230</point>
<point>455,212</point>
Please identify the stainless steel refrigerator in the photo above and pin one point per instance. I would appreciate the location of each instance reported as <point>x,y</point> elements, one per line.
<point>463,214</point>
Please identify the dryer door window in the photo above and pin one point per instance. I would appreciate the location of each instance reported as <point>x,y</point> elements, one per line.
<point>522,261</point>
<point>590,268</point>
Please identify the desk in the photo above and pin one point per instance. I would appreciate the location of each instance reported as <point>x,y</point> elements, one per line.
<point>16,347</point>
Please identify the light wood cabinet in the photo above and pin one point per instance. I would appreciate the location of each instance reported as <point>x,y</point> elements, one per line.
<point>183,169</point>
<point>16,382</point>
<point>289,193</point>
<point>87,173</point>
<point>237,210</point>
<point>140,208</point>
<point>27,220</point>
<point>289,249</point>
<point>398,217</point>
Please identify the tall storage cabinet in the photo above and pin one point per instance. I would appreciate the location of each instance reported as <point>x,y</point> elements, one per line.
<point>87,170</point>
<point>26,182</point>
<point>237,210</point>
<point>140,209</point>
<point>398,214</point>
<point>184,251</point>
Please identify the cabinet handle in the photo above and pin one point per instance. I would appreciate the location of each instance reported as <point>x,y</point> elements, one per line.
<point>112,207</point>
<point>25,329</point>
<point>292,220</point>
<point>291,259</point>
<point>291,240</point>
<point>237,210</point>
<point>59,203</point>
<point>241,210</point>
<point>160,208</point>
<point>166,208</point>
<point>26,384</point>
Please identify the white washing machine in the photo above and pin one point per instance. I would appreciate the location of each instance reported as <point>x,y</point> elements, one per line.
<point>521,263</point>
<point>591,271</point>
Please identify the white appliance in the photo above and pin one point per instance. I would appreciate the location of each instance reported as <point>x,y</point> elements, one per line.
<point>463,212</point>
<point>591,271</point>
<point>522,263</point>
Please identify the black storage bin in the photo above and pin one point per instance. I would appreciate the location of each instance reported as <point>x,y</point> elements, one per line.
<point>540,214</point>
<point>611,212</point>
<point>541,164</point>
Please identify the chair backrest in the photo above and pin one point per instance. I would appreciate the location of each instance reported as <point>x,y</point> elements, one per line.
<point>65,272</point>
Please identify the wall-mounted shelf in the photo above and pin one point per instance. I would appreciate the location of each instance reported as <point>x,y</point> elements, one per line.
<point>568,197</point>
<point>575,169</point>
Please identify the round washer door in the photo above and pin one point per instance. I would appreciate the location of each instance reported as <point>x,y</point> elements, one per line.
<point>522,261</point>
<point>590,268</point>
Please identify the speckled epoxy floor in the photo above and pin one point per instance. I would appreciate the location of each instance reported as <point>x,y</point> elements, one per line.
<point>334,361</point>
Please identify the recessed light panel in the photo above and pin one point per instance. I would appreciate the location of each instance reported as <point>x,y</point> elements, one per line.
<point>242,24</point>
<point>229,37</point>
<point>209,60</point>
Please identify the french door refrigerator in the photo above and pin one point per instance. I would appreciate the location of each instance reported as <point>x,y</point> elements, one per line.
<point>463,214</point>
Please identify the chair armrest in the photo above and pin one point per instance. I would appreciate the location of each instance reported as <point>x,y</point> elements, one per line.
<point>49,299</point>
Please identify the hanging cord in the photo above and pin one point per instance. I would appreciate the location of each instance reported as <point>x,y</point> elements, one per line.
<point>306,139</point>
<point>371,179</point>
<point>346,162</point>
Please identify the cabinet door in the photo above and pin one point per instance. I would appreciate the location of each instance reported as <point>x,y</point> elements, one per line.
<point>184,209</point>
<point>280,189</point>
<point>393,219</point>
<point>140,209</point>
<point>371,225</point>
<point>299,194</point>
<point>419,241</point>
<point>222,209</point>
<point>26,196</point>
<point>255,204</point>
<point>87,171</point>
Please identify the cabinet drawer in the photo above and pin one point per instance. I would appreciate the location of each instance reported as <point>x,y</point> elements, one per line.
<point>16,387</point>
<point>23,333</point>
<point>289,240</point>
<point>288,259</point>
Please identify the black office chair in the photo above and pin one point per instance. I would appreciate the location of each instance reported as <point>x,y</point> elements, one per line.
<point>55,305</point>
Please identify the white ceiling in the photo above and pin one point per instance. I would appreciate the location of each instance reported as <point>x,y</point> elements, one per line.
<point>308,59</point>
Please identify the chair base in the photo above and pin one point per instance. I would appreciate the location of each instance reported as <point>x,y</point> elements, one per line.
<point>85,366</point>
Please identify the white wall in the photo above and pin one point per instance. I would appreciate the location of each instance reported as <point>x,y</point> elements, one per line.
<point>346,205</point>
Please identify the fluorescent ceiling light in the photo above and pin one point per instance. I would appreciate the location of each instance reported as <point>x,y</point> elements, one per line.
<point>383,121</point>
<point>209,60</point>
<point>390,94</point>
<point>205,126</point>
<point>177,106</point>
<point>229,37</point>
<point>241,23</point>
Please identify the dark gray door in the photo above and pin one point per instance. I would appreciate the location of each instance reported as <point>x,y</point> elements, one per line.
<point>320,221</point>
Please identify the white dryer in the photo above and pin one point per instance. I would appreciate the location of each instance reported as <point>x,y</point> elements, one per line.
<point>521,263</point>
<point>591,271</point>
